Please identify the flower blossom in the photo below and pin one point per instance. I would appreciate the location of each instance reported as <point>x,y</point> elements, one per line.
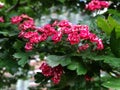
<point>28,46</point>
<point>74,34</point>
<point>73,38</point>
<point>84,47</point>
<point>96,5</point>
<point>16,19</point>
<point>1,19</point>
<point>28,24</point>
<point>100,45</point>
<point>57,37</point>
<point>54,72</point>
<point>48,30</point>
<point>64,23</point>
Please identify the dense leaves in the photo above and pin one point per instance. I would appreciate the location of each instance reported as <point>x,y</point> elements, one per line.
<point>78,66</point>
<point>22,57</point>
<point>54,60</point>
<point>113,83</point>
<point>115,44</point>
<point>81,69</point>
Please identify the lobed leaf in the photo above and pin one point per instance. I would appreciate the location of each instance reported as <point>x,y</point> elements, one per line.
<point>54,60</point>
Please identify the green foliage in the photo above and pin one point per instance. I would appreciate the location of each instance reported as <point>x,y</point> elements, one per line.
<point>75,64</point>
<point>18,45</point>
<point>22,57</point>
<point>54,60</point>
<point>62,1</point>
<point>78,66</point>
<point>101,23</point>
<point>108,25</point>
<point>115,44</point>
<point>113,83</point>
<point>111,60</point>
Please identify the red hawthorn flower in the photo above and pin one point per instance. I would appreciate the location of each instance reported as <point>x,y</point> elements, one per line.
<point>21,34</point>
<point>46,69</point>
<point>42,37</point>
<point>28,46</point>
<point>55,72</point>
<point>100,45</point>
<point>34,39</point>
<point>73,38</point>
<point>74,33</point>
<point>57,37</point>
<point>16,19</point>
<point>49,30</point>
<point>28,35</point>
<point>1,19</point>
<point>93,37</point>
<point>64,23</point>
<point>96,5</point>
<point>28,24</point>
<point>84,47</point>
<point>26,17</point>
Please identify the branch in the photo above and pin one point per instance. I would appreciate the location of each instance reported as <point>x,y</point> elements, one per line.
<point>14,6</point>
<point>17,5</point>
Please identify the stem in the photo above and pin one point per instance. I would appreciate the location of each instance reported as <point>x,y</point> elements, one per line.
<point>13,7</point>
<point>16,6</point>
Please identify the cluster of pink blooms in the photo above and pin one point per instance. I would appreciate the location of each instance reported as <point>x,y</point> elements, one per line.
<point>97,4</point>
<point>55,72</point>
<point>75,33</point>
<point>1,19</point>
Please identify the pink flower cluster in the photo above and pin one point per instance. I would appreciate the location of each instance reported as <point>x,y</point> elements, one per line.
<point>74,34</point>
<point>27,29</point>
<point>96,5</point>
<point>1,19</point>
<point>55,72</point>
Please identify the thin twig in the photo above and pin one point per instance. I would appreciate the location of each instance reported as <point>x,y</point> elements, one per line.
<point>13,7</point>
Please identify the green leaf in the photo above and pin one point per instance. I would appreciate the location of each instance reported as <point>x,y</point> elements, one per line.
<point>23,57</point>
<point>9,64</point>
<point>114,12</point>
<point>107,25</point>
<point>81,70</point>
<point>102,23</point>
<point>115,44</point>
<point>113,83</point>
<point>5,33</point>
<point>54,60</point>
<point>18,45</point>
<point>108,59</point>
<point>112,22</point>
<point>112,61</point>
<point>75,65</point>
<point>62,1</point>
<point>117,29</point>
